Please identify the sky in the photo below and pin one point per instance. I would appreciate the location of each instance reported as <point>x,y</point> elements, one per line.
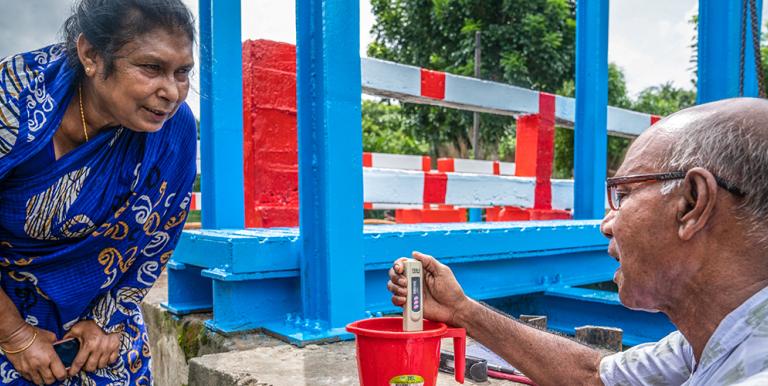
<point>648,39</point>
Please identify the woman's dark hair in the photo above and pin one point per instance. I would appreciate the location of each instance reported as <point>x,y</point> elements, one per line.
<point>110,24</point>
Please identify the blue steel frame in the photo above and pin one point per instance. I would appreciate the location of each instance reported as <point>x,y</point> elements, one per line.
<point>330,154</point>
<point>568,307</point>
<point>304,284</point>
<point>264,266</point>
<point>591,133</point>
<point>719,46</point>
<point>221,115</point>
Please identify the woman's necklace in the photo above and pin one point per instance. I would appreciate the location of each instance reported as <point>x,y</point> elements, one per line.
<point>82,114</point>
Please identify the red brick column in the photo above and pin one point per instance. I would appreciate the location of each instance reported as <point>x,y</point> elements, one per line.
<point>269,134</point>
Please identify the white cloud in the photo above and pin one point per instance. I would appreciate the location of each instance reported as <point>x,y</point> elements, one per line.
<point>650,40</point>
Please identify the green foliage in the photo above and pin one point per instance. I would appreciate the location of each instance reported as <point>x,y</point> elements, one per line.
<point>617,88</point>
<point>562,165</point>
<point>384,132</point>
<point>664,99</point>
<point>529,43</point>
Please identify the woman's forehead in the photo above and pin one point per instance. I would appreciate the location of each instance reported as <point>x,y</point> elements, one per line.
<point>161,44</point>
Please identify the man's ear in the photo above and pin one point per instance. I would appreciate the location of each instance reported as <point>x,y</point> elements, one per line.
<point>698,202</point>
<point>88,55</point>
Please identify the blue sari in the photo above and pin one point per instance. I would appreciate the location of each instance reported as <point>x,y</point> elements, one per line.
<point>86,237</point>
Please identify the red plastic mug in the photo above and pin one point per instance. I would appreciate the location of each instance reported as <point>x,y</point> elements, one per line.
<point>388,356</point>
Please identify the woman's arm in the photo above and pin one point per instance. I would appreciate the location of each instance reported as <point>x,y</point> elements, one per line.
<point>29,349</point>
<point>11,322</point>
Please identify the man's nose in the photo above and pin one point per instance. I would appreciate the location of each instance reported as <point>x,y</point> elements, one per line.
<point>606,226</point>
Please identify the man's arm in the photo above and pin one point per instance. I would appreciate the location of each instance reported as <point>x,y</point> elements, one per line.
<point>546,358</point>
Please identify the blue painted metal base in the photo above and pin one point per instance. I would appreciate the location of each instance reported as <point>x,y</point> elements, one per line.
<point>188,291</point>
<point>568,307</point>
<point>303,336</point>
<point>252,276</point>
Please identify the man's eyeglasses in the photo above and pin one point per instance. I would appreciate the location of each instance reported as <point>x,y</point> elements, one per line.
<point>615,196</point>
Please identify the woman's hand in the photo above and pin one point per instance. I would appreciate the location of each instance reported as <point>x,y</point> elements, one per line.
<point>39,362</point>
<point>97,348</point>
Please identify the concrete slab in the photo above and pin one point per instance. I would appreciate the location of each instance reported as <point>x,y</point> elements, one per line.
<point>174,341</point>
<point>332,365</point>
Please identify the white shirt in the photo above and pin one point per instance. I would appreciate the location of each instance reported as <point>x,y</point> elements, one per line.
<point>736,354</point>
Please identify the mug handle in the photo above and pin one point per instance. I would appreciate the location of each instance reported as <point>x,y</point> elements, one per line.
<point>459,336</point>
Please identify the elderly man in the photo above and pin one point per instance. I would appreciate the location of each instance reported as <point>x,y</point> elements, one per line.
<point>688,227</point>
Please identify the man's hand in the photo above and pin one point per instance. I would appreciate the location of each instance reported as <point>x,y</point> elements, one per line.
<point>443,296</point>
<point>97,349</point>
<point>38,363</point>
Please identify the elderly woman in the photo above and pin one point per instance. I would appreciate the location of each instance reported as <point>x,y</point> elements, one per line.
<point>97,160</point>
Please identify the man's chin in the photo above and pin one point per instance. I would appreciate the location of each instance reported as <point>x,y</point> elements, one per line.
<point>651,310</point>
<point>628,302</point>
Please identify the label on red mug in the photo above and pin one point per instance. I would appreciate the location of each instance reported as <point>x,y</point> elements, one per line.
<point>407,380</point>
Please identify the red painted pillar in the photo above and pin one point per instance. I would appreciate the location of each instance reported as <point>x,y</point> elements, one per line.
<point>534,154</point>
<point>534,150</point>
<point>269,134</point>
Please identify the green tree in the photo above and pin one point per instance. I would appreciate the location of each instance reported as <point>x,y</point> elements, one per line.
<point>529,43</point>
<point>664,99</point>
<point>384,130</point>
<point>562,166</point>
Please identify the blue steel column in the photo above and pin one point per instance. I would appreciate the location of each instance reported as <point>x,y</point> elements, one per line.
<point>330,159</point>
<point>719,51</point>
<point>590,143</point>
<point>221,115</point>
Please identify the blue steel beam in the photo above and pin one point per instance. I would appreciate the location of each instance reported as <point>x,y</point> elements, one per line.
<point>490,259</point>
<point>330,178</point>
<point>221,115</point>
<point>279,249</point>
<point>569,307</point>
<point>719,45</point>
<point>590,142</point>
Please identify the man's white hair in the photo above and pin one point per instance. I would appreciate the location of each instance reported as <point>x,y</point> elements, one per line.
<point>733,145</point>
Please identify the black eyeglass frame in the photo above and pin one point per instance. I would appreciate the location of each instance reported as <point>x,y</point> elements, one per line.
<point>613,182</point>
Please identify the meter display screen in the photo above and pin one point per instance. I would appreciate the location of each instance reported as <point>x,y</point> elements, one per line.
<point>415,294</point>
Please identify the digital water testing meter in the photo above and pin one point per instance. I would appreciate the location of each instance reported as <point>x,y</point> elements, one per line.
<point>413,315</point>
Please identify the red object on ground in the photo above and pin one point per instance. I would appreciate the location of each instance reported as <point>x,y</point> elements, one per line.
<point>417,216</point>
<point>513,213</point>
<point>550,214</point>
<point>511,377</point>
<point>270,160</point>
<point>507,213</point>
<point>385,352</point>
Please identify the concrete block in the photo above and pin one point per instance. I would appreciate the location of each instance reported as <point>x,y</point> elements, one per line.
<point>174,341</point>
<point>602,337</point>
<point>538,321</point>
